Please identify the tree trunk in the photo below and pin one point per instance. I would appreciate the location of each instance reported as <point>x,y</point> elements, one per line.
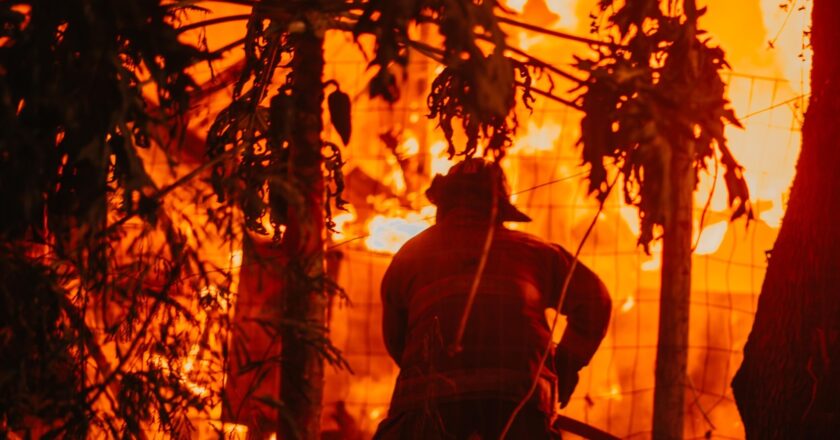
<point>675,294</point>
<point>305,304</point>
<point>788,383</point>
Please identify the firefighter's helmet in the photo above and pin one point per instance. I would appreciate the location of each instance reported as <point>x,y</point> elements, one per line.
<point>471,183</point>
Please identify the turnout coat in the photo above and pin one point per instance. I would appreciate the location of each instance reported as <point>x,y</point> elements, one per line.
<point>424,292</point>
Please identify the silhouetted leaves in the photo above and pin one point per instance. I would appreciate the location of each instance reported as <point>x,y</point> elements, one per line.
<point>477,88</point>
<point>339,105</point>
<point>482,93</point>
<point>90,255</point>
<point>658,95</point>
<point>39,373</point>
<point>86,84</point>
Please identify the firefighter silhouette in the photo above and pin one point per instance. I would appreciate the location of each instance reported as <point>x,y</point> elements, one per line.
<point>469,391</point>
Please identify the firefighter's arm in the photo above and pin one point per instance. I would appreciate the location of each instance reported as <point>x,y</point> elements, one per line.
<point>587,307</point>
<point>394,314</point>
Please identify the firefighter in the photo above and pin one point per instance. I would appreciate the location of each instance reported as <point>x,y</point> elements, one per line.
<point>469,391</point>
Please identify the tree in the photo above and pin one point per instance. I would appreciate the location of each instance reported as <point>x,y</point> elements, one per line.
<point>787,385</point>
<point>278,172</point>
<point>655,108</point>
<point>93,261</point>
<point>85,87</point>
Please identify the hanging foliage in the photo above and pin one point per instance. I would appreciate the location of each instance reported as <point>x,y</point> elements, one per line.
<point>257,130</point>
<point>92,259</point>
<point>482,95</point>
<point>339,104</point>
<point>87,236</point>
<point>656,93</point>
<point>476,87</point>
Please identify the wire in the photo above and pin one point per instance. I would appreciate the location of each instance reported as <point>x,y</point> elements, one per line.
<point>776,105</point>
<point>551,182</point>
<point>706,207</point>
<point>791,6</point>
<point>558,307</point>
<point>535,187</point>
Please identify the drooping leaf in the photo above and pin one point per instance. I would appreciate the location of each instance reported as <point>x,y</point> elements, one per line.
<point>339,104</point>
<point>640,112</point>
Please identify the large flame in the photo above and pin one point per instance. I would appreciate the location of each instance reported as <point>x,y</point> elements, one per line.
<point>388,234</point>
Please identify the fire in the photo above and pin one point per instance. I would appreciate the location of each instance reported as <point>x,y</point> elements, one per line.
<point>566,10</point>
<point>376,413</point>
<point>537,138</point>
<point>543,152</point>
<point>526,41</point>
<point>710,238</point>
<point>516,5</point>
<point>615,392</point>
<point>628,305</point>
<point>396,179</point>
<point>787,22</point>
<point>388,234</point>
<point>182,369</point>
<point>557,334</point>
<point>342,221</point>
<point>236,258</point>
<point>655,262</point>
<point>411,146</point>
<point>231,431</point>
<point>440,160</point>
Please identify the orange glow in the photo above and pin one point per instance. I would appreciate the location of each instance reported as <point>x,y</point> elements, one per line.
<point>388,234</point>
<point>411,147</point>
<point>654,263</point>
<point>440,160</point>
<point>543,152</point>
<point>615,392</point>
<point>728,258</point>
<point>342,221</point>
<point>516,5</point>
<point>526,41</point>
<point>536,138</point>
<point>566,10</point>
<point>628,305</point>
<point>231,431</point>
<point>709,240</point>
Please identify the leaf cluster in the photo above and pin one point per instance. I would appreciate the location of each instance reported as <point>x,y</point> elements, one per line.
<point>92,259</point>
<point>75,83</point>
<point>656,93</point>
<point>39,372</point>
<point>478,84</point>
<point>256,129</point>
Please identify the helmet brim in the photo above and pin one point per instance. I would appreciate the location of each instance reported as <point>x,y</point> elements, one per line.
<point>442,186</point>
<point>509,213</point>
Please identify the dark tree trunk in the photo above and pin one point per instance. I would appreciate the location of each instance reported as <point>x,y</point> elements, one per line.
<point>302,371</point>
<point>789,381</point>
<point>675,295</point>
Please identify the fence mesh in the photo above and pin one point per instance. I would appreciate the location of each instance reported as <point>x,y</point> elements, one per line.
<point>615,392</point>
